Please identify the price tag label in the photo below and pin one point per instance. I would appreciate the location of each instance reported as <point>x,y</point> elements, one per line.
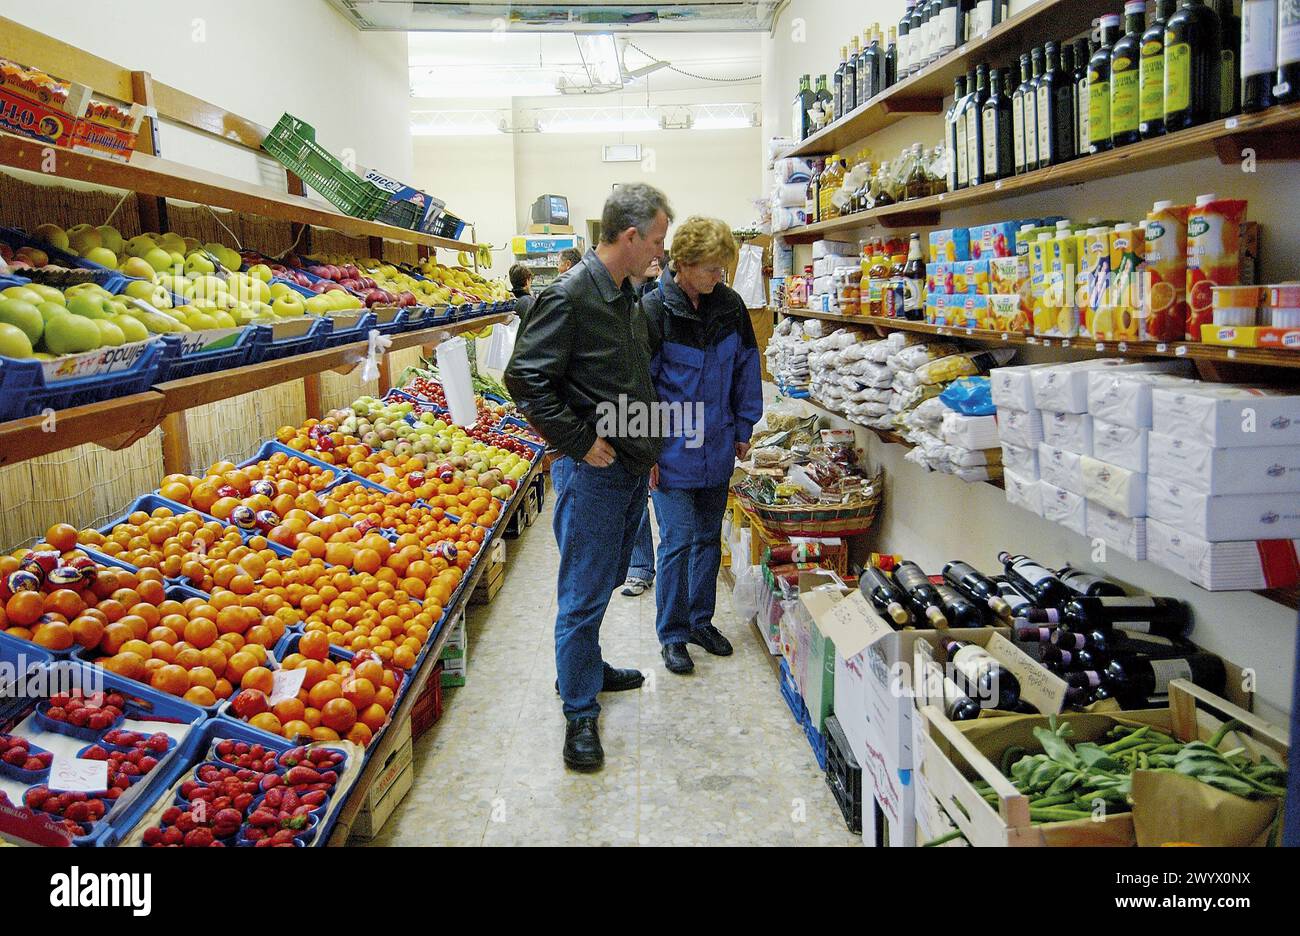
<point>1065,343</point>
<point>1232,353</point>
<point>1230,123</point>
<point>970,331</point>
<point>997,186</point>
<point>1031,340</point>
<point>941,196</point>
<point>1101,346</point>
<point>1181,350</point>
<point>1123,347</point>
<point>1006,337</point>
<point>285,684</point>
<point>75,775</point>
<point>388,470</point>
<point>1162,347</point>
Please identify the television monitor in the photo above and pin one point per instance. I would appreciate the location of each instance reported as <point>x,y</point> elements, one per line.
<point>551,209</point>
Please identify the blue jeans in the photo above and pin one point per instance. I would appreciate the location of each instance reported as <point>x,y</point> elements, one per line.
<point>597,511</point>
<point>643,550</point>
<point>690,551</point>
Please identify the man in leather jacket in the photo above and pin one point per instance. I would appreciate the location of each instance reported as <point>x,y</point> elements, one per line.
<point>581,374</point>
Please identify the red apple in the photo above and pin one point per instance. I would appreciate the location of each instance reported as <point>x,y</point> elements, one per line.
<point>250,702</point>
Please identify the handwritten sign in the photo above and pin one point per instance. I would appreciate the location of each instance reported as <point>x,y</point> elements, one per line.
<point>1041,689</point>
<point>75,775</point>
<point>285,684</point>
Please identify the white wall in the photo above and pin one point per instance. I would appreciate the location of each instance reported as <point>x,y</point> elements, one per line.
<point>258,59</point>
<point>933,518</point>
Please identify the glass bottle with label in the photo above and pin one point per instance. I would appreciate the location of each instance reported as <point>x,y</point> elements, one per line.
<point>904,39</point>
<point>851,76</point>
<point>1258,53</point>
<point>996,115</point>
<point>1099,87</point>
<point>1192,65</point>
<point>1229,13</point>
<point>1055,112</point>
<point>1018,116</point>
<point>975,126</point>
<point>957,166</point>
<point>950,24</point>
<point>1067,70</point>
<point>869,67</point>
<point>891,60</point>
<point>1082,53</point>
<point>933,27</point>
<point>878,280</point>
<point>1033,151</point>
<point>1151,74</point>
<point>824,95</point>
<point>915,39</point>
<point>1287,88</point>
<point>914,281</point>
<point>803,102</point>
<point>1125,95</point>
<point>837,82</point>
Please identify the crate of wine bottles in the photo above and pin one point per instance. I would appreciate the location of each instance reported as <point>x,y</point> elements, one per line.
<point>962,767</point>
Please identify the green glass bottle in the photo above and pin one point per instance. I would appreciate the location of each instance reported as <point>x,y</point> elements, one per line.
<point>1151,78</point>
<point>1193,93</point>
<point>1099,86</point>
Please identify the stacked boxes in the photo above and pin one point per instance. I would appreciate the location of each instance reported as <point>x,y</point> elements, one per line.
<point>973,279</point>
<point>455,653</point>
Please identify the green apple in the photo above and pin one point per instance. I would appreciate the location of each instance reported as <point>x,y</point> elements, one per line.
<point>101,255</point>
<point>261,310</point>
<point>253,290</point>
<point>279,289</point>
<point>138,268</point>
<point>198,263</point>
<point>14,342</point>
<point>22,294</point>
<point>50,309</point>
<point>87,305</point>
<point>172,243</point>
<point>289,305</point>
<point>318,305</point>
<point>71,334</point>
<point>83,238</point>
<point>140,245</point>
<point>93,288</point>
<point>198,320</point>
<point>111,239</point>
<point>261,271</point>
<point>47,293</point>
<point>230,259</point>
<point>115,305</point>
<point>132,329</point>
<point>53,235</point>
<point>225,320</point>
<point>24,315</point>
<point>110,335</point>
<point>178,260</point>
<point>159,259</point>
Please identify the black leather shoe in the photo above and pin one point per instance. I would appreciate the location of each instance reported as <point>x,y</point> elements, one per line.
<point>711,639</point>
<point>616,680</point>
<point>677,659</point>
<point>582,750</point>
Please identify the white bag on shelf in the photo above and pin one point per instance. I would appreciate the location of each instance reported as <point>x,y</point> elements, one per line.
<point>502,344</point>
<point>453,366</point>
<point>749,276</point>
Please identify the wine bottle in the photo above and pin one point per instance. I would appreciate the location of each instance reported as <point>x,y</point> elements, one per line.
<point>1022,605</point>
<point>891,60</point>
<point>1082,53</point>
<point>1131,703</point>
<point>1151,74</point>
<point>956,131</point>
<point>851,76</point>
<point>837,83</point>
<point>1034,580</point>
<point>1033,150</point>
<point>1258,53</point>
<point>824,95</point>
<point>923,596</point>
<point>1287,88</point>
<point>1057,659</point>
<point>1229,13</point>
<point>981,676</point>
<point>975,126</point>
<point>1085,583</point>
<point>1087,680</point>
<point>1125,77</point>
<point>905,40</point>
<point>977,586</point>
<point>1192,66</point>
<point>1018,116</point>
<point>958,609</point>
<point>803,102</point>
<point>914,280</point>
<point>1033,633</point>
<point>1099,645</point>
<point>1099,86</point>
<point>957,705</point>
<point>1055,114</point>
<point>1129,675</point>
<point>862,75</point>
<point>885,596</point>
<point>1067,70</point>
<point>1164,617</point>
<point>915,38</point>
<point>950,26</point>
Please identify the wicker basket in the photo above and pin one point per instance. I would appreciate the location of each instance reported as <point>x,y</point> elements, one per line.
<point>812,520</point>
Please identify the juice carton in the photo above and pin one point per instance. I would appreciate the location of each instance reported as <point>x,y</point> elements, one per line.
<point>971,276</point>
<point>947,309</point>
<point>1213,255</point>
<point>1040,257</point>
<point>1127,256</point>
<point>950,245</point>
<point>1008,312</point>
<point>932,307</point>
<point>1165,301</point>
<point>1058,316</point>
<point>1004,275</point>
<point>975,311</point>
<point>939,277</point>
<point>993,240</point>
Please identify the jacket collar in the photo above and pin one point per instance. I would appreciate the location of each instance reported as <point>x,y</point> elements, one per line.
<point>610,291</point>
<point>676,300</point>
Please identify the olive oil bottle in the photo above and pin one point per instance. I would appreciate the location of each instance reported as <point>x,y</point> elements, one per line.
<point>1287,88</point>
<point>956,132</point>
<point>1229,13</point>
<point>1193,94</point>
<point>1033,150</point>
<point>1082,53</point>
<point>996,118</point>
<point>1124,77</point>
<point>1151,78</point>
<point>1258,53</point>
<point>1018,139</point>
<point>1099,86</point>
<point>1055,114</point>
<point>975,126</point>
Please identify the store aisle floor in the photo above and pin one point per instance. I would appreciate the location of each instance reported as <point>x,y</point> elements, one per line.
<point>709,759</point>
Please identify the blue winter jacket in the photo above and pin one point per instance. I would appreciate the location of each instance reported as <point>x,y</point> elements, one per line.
<point>706,360</point>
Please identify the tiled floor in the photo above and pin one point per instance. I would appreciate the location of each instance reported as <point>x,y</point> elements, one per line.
<point>709,759</point>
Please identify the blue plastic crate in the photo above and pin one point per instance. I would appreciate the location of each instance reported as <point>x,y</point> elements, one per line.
<point>816,741</point>
<point>790,692</point>
<point>246,349</point>
<point>314,339</point>
<point>26,392</point>
<point>358,332</point>
<point>396,325</point>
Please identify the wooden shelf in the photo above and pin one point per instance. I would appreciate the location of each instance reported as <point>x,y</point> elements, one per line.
<point>1084,347</point>
<point>1272,133</point>
<point>923,93</point>
<point>150,175</point>
<point>120,422</point>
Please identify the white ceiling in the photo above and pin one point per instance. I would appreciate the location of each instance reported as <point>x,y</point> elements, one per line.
<point>599,15</point>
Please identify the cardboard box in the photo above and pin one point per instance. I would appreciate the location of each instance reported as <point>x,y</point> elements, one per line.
<point>888,802</point>
<point>818,593</point>
<point>1020,427</point>
<point>108,129</point>
<point>1126,534</point>
<point>1242,564</point>
<point>1022,492</point>
<point>1252,336</point>
<point>1225,517</point>
<point>1120,445</point>
<point>950,245</point>
<point>1063,388</point>
<point>1023,460</point>
<point>40,106</point>
<point>974,311</point>
<point>1273,469</point>
<point>1069,431</point>
<point>1067,508</point>
<point>939,278</point>
<point>494,576</point>
<point>988,241</point>
<point>1012,388</point>
<point>389,787</point>
<point>1060,468</point>
<point>1113,487</point>
<point>1227,416</point>
<point>1005,313</point>
<point>1005,276</point>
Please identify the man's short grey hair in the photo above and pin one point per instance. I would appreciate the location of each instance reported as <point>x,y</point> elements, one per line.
<point>633,205</point>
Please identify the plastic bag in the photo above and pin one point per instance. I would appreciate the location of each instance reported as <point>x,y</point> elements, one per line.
<point>970,396</point>
<point>749,591</point>
<point>453,366</point>
<point>502,344</point>
<point>378,344</point>
<point>749,276</point>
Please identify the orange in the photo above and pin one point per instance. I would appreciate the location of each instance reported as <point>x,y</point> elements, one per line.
<point>139,626</point>
<point>312,717</point>
<point>214,658</point>
<point>65,601</point>
<point>314,645</point>
<point>201,632</point>
<point>325,691</point>
<point>200,695</point>
<point>171,679</point>
<point>115,635</point>
<point>87,630</point>
<point>289,710</point>
<point>267,722</point>
<point>385,696</point>
<point>338,714</point>
<point>404,657</point>
<point>53,636</point>
<point>323,733</point>
<point>259,677</point>
<point>62,537</point>
<point>162,650</point>
<point>130,665</point>
<point>203,676</point>
<point>24,608</point>
<point>373,717</point>
<point>295,727</point>
<point>139,647</point>
<point>238,664</point>
<point>360,734</point>
<point>360,692</point>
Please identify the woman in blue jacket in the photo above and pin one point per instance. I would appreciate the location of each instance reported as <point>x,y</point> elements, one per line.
<point>705,369</point>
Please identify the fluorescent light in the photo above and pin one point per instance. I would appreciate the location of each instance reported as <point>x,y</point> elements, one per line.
<point>600,57</point>
<point>431,123</point>
<point>628,125</point>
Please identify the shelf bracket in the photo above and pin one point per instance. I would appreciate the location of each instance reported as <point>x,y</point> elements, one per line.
<point>921,104</point>
<point>909,219</point>
<point>1260,145</point>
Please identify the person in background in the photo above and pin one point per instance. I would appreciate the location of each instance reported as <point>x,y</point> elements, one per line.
<point>569,258</point>
<point>652,274</point>
<point>704,356</point>
<point>641,568</point>
<point>521,284</point>
<point>582,353</point>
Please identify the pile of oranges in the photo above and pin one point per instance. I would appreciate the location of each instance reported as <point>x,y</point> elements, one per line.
<point>280,483</point>
<point>338,699</point>
<point>337,451</point>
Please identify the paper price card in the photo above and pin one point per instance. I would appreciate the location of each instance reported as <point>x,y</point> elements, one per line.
<point>75,775</point>
<point>1041,689</point>
<point>285,684</point>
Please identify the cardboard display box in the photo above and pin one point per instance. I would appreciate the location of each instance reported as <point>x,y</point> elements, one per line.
<point>388,789</point>
<point>493,577</point>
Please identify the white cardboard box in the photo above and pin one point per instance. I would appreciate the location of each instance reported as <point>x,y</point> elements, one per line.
<point>1120,445</point>
<point>1272,469</point>
<point>1242,564</point>
<point>1063,388</point>
<point>1068,509</point>
<point>1124,397</point>
<point>1023,460</point>
<point>1022,492</point>
<point>1060,468</point>
<point>1113,487</point>
<point>888,800</point>
<point>851,702</point>
<point>1020,427</point>
<point>1128,535</point>
<point>1225,517</point>
<point>1226,416</point>
<point>970,432</point>
<point>1012,387</point>
<point>1069,431</point>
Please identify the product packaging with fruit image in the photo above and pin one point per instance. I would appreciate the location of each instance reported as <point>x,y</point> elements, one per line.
<point>38,105</point>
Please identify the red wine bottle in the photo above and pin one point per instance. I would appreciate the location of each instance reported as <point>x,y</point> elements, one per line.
<point>885,596</point>
<point>1087,680</point>
<point>959,611</point>
<point>1035,580</point>
<point>957,705</point>
<point>981,676</point>
<point>1128,701</point>
<point>1034,633</point>
<point>1085,583</point>
<point>1164,617</point>
<point>923,596</point>
<point>977,586</point>
<point>1056,659</point>
<point>1130,675</point>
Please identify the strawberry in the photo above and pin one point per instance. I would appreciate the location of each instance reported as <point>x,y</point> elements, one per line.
<point>173,836</point>
<point>170,815</point>
<point>15,756</point>
<point>34,763</point>
<point>153,836</point>
<point>95,752</point>
<point>158,742</point>
<point>198,838</point>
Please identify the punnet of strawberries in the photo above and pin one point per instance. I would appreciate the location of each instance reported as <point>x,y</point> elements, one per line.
<point>242,754</point>
<point>95,710</point>
<point>78,811</point>
<point>18,752</point>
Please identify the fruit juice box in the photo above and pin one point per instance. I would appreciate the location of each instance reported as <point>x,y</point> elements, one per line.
<point>1004,275</point>
<point>975,309</point>
<point>932,307</point>
<point>1213,255</point>
<point>1093,279</point>
<point>1007,312</point>
<point>1040,255</point>
<point>1127,259</point>
<point>1251,336</point>
<point>1055,314</point>
<point>993,240</point>
<point>971,276</point>
<point>38,105</point>
<point>1165,276</point>
<point>950,245</point>
<point>939,277</point>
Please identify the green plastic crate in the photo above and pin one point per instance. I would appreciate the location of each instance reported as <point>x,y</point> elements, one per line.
<point>293,144</point>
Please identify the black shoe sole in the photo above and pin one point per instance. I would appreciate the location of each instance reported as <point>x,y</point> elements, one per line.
<point>708,649</point>
<point>637,685</point>
<point>584,766</point>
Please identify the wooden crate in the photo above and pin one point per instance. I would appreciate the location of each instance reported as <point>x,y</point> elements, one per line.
<point>949,761</point>
<point>388,788</point>
<point>494,576</point>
